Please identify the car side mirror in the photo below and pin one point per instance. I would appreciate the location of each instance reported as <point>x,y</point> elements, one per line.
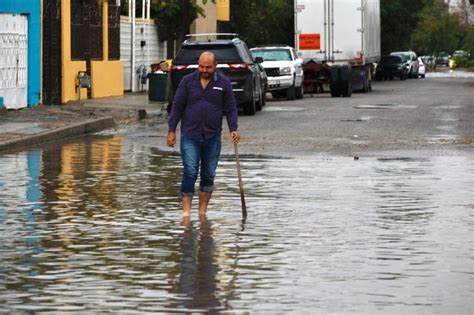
<point>299,60</point>
<point>258,59</point>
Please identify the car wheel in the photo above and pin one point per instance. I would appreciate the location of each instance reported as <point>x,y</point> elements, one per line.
<point>291,93</point>
<point>259,104</point>
<point>422,76</point>
<point>250,107</point>
<point>403,76</point>
<point>300,92</point>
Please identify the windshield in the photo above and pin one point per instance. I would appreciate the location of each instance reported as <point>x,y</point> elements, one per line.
<point>391,60</point>
<point>223,53</point>
<point>272,54</point>
<point>405,57</point>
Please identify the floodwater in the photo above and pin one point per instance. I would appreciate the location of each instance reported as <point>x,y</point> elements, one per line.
<point>94,226</point>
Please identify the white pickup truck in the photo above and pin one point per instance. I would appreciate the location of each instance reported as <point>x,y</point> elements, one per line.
<point>284,70</point>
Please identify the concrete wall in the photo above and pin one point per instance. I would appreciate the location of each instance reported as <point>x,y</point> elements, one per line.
<point>32,8</point>
<point>154,50</point>
<point>207,24</point>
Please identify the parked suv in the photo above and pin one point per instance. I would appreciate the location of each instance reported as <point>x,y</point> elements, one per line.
<point>390,67</point>
<point>233,60</point>
<point>284,70</point>
<point>443,58</point>
<point>411,62</point>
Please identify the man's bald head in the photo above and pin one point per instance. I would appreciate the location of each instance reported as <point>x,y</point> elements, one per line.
<point>208,56</point>
<point>207,65</point>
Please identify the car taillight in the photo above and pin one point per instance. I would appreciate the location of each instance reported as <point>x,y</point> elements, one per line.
<point>179,67</point>
<point>239,66</point>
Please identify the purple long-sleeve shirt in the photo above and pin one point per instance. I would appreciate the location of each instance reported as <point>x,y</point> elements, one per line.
<point>201,110</point>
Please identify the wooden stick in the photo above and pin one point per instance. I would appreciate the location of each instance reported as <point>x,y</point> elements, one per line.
<point>241,184</point>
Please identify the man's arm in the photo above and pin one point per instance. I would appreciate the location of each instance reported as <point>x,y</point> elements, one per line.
<point>179,103</point>
<point>231,112</point>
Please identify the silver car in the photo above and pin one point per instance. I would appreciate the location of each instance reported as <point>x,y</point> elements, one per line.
<point>411,62</point>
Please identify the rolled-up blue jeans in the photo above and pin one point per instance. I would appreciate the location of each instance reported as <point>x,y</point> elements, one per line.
<point>199,154</point>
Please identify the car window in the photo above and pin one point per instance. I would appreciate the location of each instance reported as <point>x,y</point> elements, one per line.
<point>245,53</point>
<point>223,53</point>
<point>272,54</point>
<point>390,60</point>
<point>404,57</point>
<point>295,56</point>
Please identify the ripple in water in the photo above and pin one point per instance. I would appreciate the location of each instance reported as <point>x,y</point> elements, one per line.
<point>94,226</point>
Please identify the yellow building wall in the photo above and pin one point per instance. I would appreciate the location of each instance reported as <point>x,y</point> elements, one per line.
<point>223,10</point>
<point>106,76</point>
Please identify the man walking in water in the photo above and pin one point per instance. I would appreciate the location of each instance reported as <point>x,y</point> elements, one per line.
<point>200,103</point>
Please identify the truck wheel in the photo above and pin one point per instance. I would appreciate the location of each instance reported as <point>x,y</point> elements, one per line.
<point>341,78</point>
<point>347,91</point>
<point>334,89</point>
<point>291,93</point>
<point>346,80</point>
<point>300,92</point>
<point>366,84</point>
<point>335,83</point>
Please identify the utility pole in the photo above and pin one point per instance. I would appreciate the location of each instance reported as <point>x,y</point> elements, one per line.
<point>132,65</point>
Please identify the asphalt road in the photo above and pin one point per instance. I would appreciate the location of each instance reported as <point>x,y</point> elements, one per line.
<point>433,114</point>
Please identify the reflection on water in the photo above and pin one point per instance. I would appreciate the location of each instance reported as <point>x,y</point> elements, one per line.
<point>95,225</point>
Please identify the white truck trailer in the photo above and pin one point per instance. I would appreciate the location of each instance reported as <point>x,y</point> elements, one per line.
<point>339,41</point>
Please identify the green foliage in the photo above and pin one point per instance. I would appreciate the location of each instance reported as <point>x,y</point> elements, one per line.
<point>436,31</point>
<point>398,20</point>
<point>174,17</point>
<point>263,21</point>
<point>469,41</point>
<point>464,62</point>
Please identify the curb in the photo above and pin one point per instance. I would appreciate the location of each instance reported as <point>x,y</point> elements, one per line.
<point>62,133</point>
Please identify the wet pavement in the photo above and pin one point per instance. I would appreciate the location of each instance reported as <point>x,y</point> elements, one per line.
<point>93,225</point>
<point>19,128</point>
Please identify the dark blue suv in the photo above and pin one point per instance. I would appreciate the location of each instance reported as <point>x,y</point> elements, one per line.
<point>233,60</point>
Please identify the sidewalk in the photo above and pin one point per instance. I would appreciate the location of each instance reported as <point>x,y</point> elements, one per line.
<point>45,123</point>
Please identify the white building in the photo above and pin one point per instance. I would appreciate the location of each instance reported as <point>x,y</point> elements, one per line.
<point>148,49</point>
<point>463,8</point>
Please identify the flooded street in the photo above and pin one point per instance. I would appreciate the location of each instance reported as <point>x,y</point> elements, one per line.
<point>94,226</point>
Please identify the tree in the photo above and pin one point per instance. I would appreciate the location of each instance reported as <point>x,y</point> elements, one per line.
<point>174,18</point>
<point>437,31</point>
<point>398,19</point>
<point>263,21</point>
<point>469,41</point>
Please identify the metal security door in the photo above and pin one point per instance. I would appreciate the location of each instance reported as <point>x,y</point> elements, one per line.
<point>14,60</point>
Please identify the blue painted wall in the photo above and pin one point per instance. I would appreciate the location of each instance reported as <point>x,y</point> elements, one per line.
<point>33,9</point>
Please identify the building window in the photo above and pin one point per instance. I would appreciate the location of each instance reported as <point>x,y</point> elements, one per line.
<point>86,30</point>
